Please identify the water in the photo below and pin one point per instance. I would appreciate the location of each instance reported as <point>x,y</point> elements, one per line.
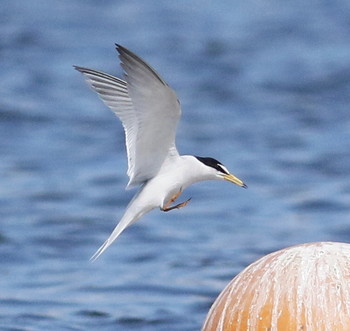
<point>265,89</point>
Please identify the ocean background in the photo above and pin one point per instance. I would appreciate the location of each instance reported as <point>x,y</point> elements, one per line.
<point>264,88</point>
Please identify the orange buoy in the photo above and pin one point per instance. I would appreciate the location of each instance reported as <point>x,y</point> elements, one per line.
<point>300,288</point>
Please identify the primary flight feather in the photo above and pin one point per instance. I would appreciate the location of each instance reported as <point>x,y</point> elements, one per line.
<point>149,111</point>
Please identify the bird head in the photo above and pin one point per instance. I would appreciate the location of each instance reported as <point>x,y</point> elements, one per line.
<point>220,171</point>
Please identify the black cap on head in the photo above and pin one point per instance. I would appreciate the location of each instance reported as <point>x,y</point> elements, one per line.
<point>210,162</point>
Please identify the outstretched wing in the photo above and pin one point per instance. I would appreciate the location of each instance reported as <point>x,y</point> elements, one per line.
<point>148,109</point>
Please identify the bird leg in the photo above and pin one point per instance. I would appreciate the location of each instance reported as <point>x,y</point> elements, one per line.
<point>178,206</point>
<point>174,197</point>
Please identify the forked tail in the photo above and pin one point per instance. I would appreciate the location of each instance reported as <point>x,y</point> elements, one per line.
<point>121,226</point>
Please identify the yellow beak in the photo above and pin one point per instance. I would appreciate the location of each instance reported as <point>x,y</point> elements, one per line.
<point>233,179</point>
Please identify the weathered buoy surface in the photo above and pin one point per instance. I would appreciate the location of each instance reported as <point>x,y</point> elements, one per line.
<point>301,288</point>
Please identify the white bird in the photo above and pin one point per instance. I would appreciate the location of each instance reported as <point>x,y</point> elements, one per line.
<point>149,111</point>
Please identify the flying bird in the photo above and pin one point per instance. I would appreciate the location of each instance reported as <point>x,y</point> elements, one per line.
<point>150,111</point>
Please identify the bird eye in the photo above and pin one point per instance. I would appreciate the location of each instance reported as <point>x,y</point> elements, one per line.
<point>223,169</point>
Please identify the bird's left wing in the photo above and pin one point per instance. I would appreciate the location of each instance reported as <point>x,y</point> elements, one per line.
<point>148,109</point>
<point>157,110</point>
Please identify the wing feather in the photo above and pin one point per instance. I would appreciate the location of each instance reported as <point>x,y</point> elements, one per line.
<point>148,109</point>
<point>113,92</point>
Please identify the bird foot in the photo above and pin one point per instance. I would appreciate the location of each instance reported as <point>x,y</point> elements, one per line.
<point>178,206</point>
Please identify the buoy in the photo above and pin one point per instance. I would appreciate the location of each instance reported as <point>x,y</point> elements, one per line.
<point>300,288</point>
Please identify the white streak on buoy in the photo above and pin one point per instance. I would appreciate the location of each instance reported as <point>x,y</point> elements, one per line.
<point>306,287</point>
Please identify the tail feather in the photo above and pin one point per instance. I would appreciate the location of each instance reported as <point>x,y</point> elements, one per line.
<point>133,212</point>
<point>121,226</point>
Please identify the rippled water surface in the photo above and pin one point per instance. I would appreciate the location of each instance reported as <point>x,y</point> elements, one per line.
<point>264,87</point>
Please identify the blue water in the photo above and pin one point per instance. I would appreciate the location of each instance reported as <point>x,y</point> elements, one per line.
<point>264,87</point>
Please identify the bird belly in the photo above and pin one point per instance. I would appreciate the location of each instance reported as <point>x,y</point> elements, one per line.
<point>160,189</point>
<point>175,175</point>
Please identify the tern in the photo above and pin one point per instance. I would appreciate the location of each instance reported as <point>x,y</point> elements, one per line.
<point>150,111</point>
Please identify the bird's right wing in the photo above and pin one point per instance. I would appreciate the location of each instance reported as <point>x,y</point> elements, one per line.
<point>148,109</point>
<point>114,93</point>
